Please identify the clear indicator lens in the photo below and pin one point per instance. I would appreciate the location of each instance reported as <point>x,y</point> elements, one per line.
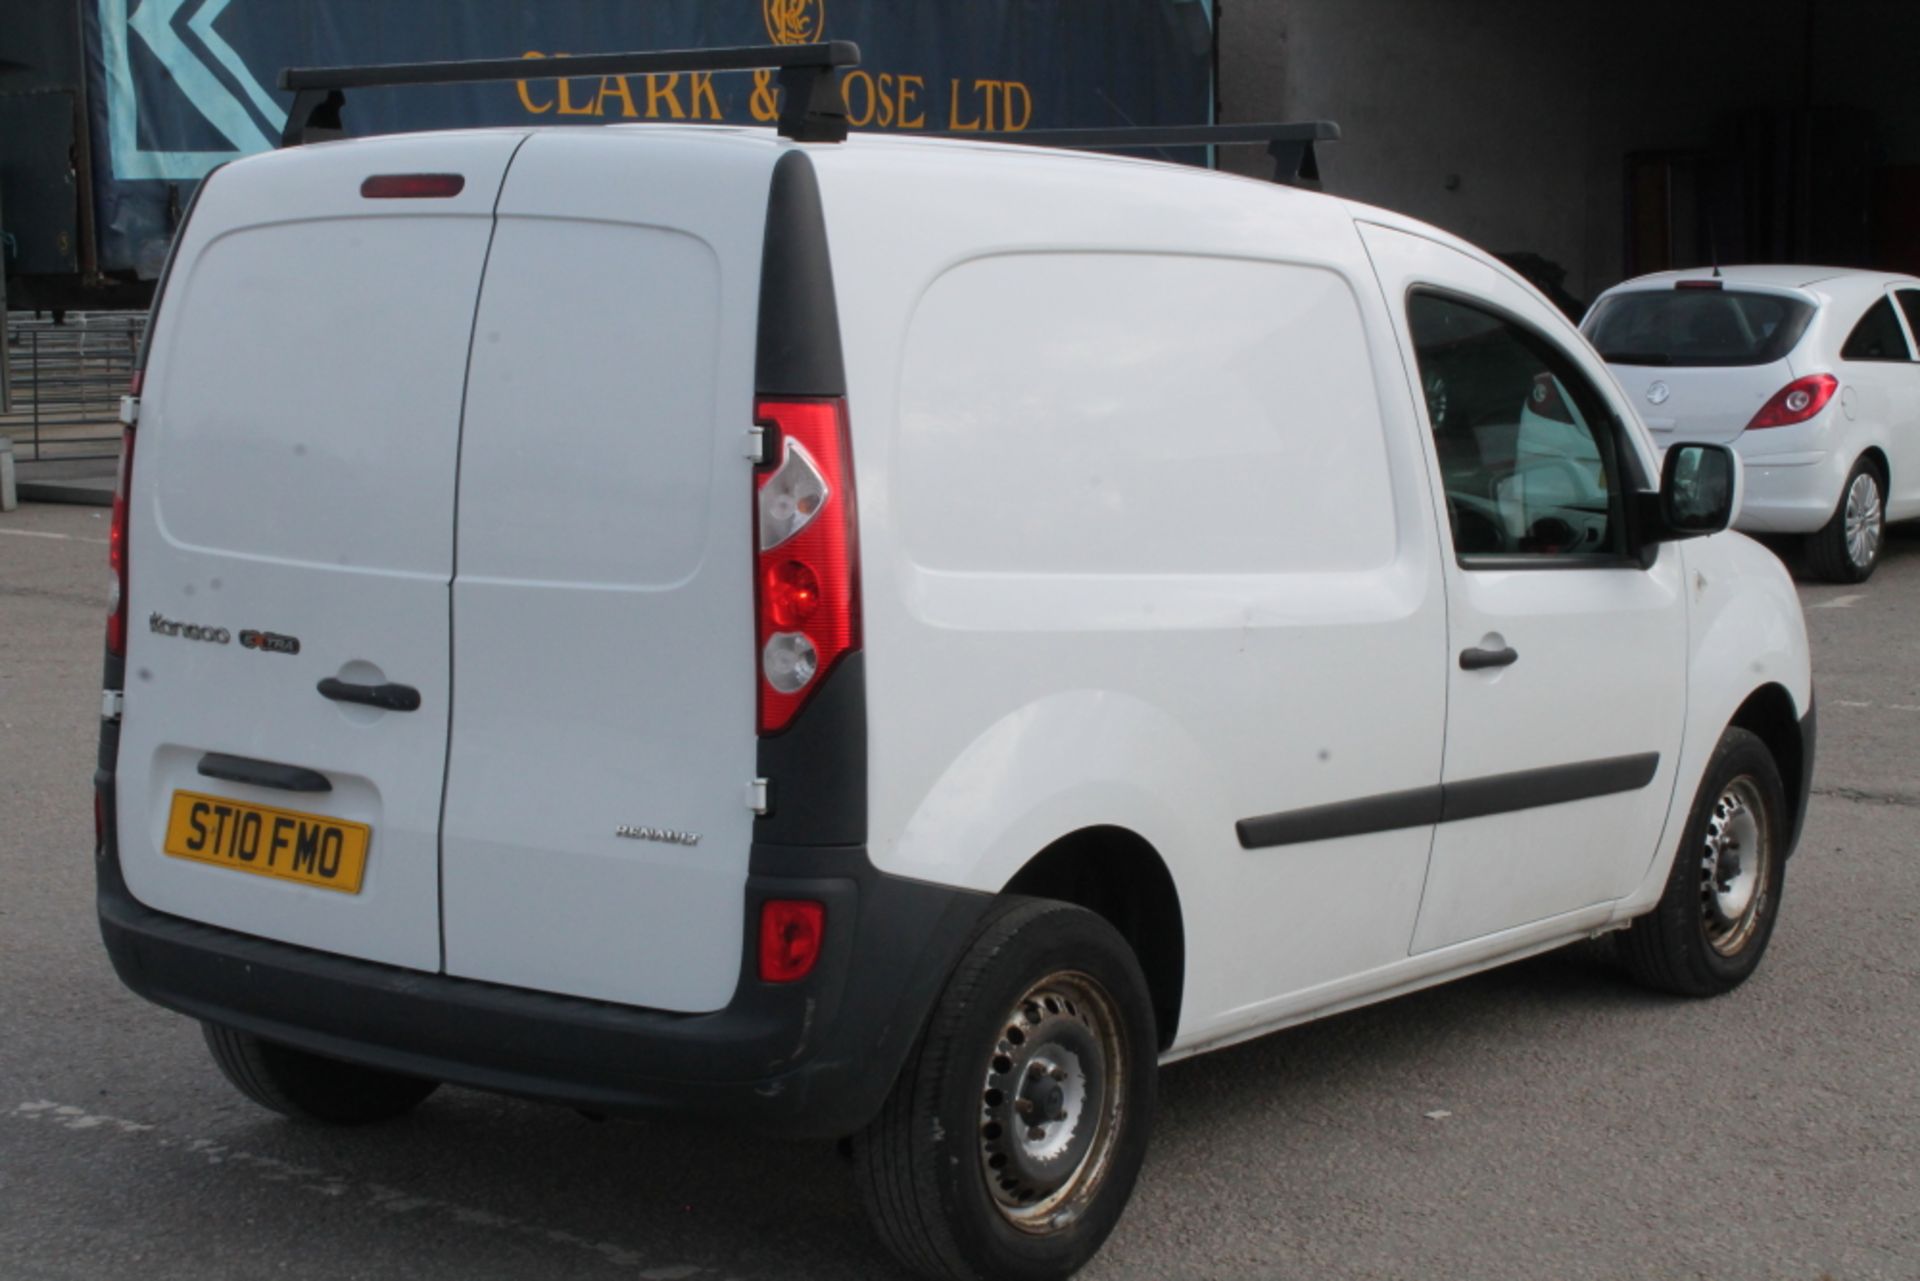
<point>791,498</point>
<point>789,661</point>
<point>113,594</point>
<point>1797,401</point>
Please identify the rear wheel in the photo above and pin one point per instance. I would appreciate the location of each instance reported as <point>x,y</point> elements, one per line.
<point>309,1087</point>
<point>1847,548</point>
<point>1723,895</point>
<point>1012,1139</point>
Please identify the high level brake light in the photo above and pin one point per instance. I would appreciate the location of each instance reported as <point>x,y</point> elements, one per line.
<point>413,186</point>
<point>1796,402</point>
<point>807,580</point>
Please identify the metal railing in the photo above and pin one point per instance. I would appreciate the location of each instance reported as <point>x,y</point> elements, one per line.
<point>67,380</point>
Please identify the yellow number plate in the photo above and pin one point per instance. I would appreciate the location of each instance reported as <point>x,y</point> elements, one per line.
<point>309,848</point>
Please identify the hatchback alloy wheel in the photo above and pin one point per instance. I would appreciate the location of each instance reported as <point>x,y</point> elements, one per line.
<point>1865,520</point>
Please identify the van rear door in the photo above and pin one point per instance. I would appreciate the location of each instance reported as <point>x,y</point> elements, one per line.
<point>290,543</point>
<point>597,820</point>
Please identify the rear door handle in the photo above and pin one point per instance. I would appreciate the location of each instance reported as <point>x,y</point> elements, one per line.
<point>245,769</point>
<point>394,698</point>
<point>1477,659</point>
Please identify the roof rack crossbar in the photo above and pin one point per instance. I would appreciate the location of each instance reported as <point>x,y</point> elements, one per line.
<point>1290,143</point>
<point>811,106</point>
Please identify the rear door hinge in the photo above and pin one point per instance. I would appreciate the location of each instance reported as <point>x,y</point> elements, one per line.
<point>757,795</point>
<point>129,410</point>
<point>110,701</point>
<point>757,444</point>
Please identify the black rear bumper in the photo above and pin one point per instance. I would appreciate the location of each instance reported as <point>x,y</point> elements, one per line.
<point>814,1058</point>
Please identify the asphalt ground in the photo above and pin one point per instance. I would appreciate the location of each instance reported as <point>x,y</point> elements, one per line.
<point>1546,1120</point>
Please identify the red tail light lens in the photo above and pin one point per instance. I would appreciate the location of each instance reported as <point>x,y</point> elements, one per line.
<point>117,551</point>
<point>806,592</point>
<point>413,186</point>
<point>1796,402</point>
<point>1697,284</point>
<point>791,932</point>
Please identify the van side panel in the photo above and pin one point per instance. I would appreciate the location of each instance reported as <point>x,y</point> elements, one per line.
<point>597,823</point>
<point>294,475</point>
<point>1145,543</point>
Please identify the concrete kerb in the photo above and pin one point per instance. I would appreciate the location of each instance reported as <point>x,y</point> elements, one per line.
<point>89,482</point>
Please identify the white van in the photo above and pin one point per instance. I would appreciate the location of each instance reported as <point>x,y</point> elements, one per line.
<point>895,639</point>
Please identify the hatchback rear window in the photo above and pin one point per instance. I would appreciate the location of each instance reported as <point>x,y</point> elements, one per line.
<point>1696,327</point>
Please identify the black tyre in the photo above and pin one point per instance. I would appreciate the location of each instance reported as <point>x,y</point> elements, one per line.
<point>1847,547</point>
<point>1012,1139</point>
<point>1723,895</point>
<point>309,1087</point>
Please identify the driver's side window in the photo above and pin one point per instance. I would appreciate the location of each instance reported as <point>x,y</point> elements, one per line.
<point>1531,467</point>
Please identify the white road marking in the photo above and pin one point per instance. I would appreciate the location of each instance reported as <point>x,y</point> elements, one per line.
<point>1891,707</point>
<point>1850,703</point>
<point>41,533</point>
<point>391,1200</point>
<point>1842,602</point>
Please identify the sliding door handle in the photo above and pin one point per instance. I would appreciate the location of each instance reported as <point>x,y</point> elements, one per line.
<point>1476,659</point>
<point>395,698</point>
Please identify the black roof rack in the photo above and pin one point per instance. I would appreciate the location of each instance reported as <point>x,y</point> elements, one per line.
<point>1289,143</point>
<point>811,107</point>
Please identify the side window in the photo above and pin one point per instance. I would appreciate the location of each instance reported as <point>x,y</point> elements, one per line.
<point>1528,456</point>
<point>1877,336</point>
<point>1910,303</point>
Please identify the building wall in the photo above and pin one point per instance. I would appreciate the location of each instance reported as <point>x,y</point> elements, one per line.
<point>1510,121</point>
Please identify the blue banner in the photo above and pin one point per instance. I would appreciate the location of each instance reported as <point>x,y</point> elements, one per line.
<point>179,86</point>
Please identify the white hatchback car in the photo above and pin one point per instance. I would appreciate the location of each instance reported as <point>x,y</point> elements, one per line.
<point>1809,372</point>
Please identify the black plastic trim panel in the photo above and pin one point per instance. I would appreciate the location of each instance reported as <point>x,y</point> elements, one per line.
<point>245,769</point>
<point>1451,802</point>
<point>816,768</point>
<point>798,342</point>
<point>812,1059</point>
<point>1809,736</point>
<point>1552,785</point>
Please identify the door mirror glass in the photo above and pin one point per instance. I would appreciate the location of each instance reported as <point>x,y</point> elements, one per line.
<point>1697,485</point>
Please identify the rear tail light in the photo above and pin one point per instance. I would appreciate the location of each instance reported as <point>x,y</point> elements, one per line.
<point>791,932</point>
<point>807,580</point>
<point>117,547</point>
<point>1796,402</point>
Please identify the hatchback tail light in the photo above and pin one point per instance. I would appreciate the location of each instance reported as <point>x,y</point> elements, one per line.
<point>807,580</point>
<point>1796,402</point>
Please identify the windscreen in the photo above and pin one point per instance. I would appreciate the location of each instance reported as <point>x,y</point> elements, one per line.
<point>1699,327</point>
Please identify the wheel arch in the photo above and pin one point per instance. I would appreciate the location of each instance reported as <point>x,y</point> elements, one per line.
<point>1118,875</point>
<point>1878,457</point>
<point>1769,714</point>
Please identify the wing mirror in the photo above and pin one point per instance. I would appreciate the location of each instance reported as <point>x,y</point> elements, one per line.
<point>1699,494</point>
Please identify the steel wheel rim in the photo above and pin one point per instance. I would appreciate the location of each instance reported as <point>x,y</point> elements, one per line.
<point>1863,520</point>
<point>1051,1102</point>
<point>1736,867</point>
